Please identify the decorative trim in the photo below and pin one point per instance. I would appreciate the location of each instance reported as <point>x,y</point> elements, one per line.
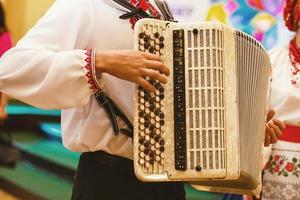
<point>90,68</point>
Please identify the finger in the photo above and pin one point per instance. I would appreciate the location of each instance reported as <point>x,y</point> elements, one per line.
<point>276,129</point>
<point>270,115</point>
<point>267,140</point>
<point>154,57</point>
<point>279,123</point>
<point>157,76</point>
<point>272,134</point>
<point>159,66</point>
<point>146,85</point>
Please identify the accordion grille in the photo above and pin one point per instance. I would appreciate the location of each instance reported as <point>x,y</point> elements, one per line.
<point>205,99</point>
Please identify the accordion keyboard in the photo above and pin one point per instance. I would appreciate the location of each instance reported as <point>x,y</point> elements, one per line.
<point>151,107</point>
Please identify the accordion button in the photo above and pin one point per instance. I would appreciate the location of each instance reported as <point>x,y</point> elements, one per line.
<point>141,35</point>
<point>162,149</point>
<point>142,127</point>
<point>146,39</point>
<point>142,94</point>
<point>147,110</point>
<point>157,118</point>
<point>152,148</point>
<point>152,134</point>
<point>142,107</point>
<point>142,48</point>
<point>152,107</point>
<point>152,121</point>
<point>151,127</point>
<point>157,158</point>
<point>156,41</point>
<point>142,42</point>
<point>147,164</point>
<point>146,45</point>
<point>147,104</point>
<point>152,141</point>
<point>161,142</point>
<point>161,96</point>
<point>198,168</point>
<point>147,131</point>
<point>157,48</point>
<point>151,161</point>
<point>147,144</point>
<point>142,148</point>
<point>147,138</point>
<point>146,151</point>
<point>147,33</point>
<point>162,122</point>
<point>141,161</point>
<point>151,49</point>
<point>157,132</point>
<point>157,125</point>
<point>142,134</point>
<point>147,158</point>
<point>142,101</point>
<point>157,145</point>
<point>161,38</point>
<point>195,31</point>
<point>152,44</point>
<point>151,37</point>
<point>142,155</point>
<point>157,138</point>
<point>151,101</point>
<point>157,152</point>
<point>141,141</point>
<point>161,45</point>
<point>156,35</point>
<point>152,154</point>
<point>161,115</point>
<point>161,89</point>
<point>142,120</point>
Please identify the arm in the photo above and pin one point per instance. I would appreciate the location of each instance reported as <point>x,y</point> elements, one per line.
<point>46,68</point>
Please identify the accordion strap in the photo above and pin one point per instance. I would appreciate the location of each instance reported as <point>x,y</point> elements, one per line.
<point>140,13</point>
<point>113,112</point>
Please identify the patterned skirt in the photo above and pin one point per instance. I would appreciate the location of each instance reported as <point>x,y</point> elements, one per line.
<point>281,180</point>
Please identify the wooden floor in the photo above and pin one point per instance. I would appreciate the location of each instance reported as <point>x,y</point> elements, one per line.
<point>6,196</point>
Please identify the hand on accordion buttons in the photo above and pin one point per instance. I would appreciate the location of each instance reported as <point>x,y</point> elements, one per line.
<point>133,66</point>
<point>274,128</point>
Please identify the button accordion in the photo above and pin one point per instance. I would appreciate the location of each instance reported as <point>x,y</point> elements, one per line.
<point>206,125</point>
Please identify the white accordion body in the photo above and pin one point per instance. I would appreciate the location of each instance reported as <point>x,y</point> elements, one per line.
<point>206,125</point>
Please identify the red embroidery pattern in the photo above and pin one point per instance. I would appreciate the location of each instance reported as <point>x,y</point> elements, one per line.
<point>89,70</point>
<point>282,166</point>
<point>294,53</point>
<point>147,7</point>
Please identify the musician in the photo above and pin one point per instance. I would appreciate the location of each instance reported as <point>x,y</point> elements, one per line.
<point>53,68</point>
<point>281,174</point>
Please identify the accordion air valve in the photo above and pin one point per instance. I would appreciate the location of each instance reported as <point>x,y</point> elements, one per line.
<point>204,125</point>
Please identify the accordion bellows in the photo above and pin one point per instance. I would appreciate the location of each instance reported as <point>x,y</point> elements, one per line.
<point>206,125</point>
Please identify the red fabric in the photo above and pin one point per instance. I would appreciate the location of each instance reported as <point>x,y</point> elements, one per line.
<point>291,14</point>
<point>147,7</point>
<point>291,134</point>
<point>5,43</point>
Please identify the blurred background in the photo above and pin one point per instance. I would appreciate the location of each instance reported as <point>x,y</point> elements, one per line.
<point>45,168</point>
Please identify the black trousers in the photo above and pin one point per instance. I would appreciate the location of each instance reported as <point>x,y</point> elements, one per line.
<point>101,176</point>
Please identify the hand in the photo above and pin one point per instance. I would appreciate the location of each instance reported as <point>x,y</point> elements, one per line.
<point>274,128</point>
<point>133,66</point>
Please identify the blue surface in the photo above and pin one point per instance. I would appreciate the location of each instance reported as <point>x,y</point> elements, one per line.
<point>28,110</point>
<point>51,129</point>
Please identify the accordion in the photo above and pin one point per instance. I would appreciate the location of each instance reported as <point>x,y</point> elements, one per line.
<point>206,125</point>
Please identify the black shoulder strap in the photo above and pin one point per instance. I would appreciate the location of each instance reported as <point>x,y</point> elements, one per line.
<point>134,11</point>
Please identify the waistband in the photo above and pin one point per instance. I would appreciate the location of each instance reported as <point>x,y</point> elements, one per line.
<point>291,134</point>
<point>114,162</point>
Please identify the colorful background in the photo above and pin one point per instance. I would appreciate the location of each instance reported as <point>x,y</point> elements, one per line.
<point>260,18</point>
